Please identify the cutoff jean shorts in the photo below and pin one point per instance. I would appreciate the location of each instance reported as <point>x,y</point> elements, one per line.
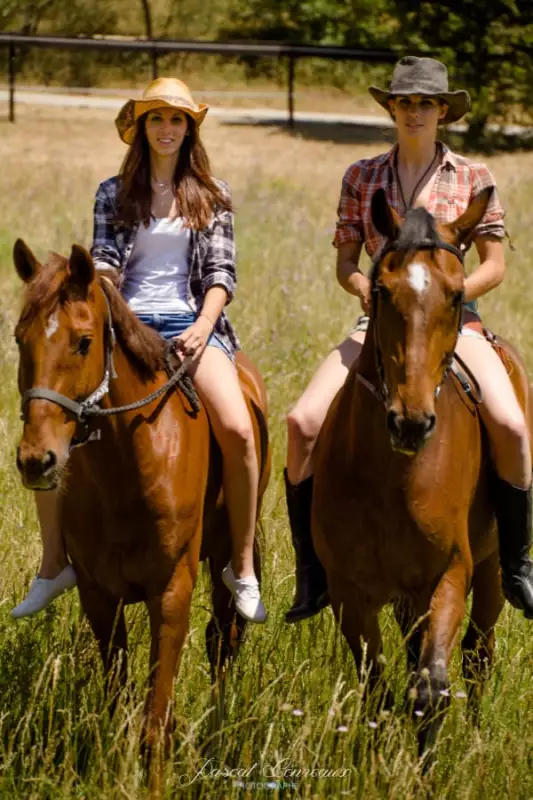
<point>171,325</point>
<point>470,314</point>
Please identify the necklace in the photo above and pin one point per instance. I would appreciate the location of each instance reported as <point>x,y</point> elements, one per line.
<point>161,187</point>
<point>419,182</point>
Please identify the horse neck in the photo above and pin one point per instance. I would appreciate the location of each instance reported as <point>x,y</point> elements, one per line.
<point>127,386</point>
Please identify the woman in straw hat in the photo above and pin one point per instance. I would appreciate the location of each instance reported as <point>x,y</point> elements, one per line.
<point>418,171</point>
<point>163,232</point>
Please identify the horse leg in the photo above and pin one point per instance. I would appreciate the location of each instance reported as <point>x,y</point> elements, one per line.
<point>406,618</point>
<point>106,618</point>
<point>225,629</point>
<point>440,630</point>
<point>360,626</point>
<point>478,643</point>
<point>169,623</point>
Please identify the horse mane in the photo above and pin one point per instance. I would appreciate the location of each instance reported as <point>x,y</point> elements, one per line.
<point>143,346</point>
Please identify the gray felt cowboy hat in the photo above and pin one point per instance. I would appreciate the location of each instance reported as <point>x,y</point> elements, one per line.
<point>426,76</point>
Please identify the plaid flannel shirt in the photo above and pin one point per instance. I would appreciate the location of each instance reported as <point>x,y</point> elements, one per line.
<point>457,182</point>
<point>211,252</point>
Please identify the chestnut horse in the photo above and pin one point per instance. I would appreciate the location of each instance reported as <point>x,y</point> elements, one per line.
<point>401,509</point>
<point>142,504</point>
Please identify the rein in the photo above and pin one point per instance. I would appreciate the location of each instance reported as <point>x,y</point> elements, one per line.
<point>89,407</point>
<point>424,244</point>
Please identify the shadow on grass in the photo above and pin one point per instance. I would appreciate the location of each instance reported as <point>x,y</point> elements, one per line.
<point>320,130</point>
<point>342,132</point>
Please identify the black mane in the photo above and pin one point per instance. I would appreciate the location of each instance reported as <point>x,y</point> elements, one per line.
<point>419,226</point>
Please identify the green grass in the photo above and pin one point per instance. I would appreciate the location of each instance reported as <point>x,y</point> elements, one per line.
<point>57,739</point>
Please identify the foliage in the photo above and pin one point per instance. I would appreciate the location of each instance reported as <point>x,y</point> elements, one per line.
<point>488,48</point>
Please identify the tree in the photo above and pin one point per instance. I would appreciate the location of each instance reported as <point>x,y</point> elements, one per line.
<point>488,48</point>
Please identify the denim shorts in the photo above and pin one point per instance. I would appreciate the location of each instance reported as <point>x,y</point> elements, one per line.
<point>361,326</point>
<point>171,325</point>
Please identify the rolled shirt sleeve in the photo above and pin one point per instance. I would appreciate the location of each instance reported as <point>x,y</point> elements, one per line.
<point>104,250</point>
<point>492,223</point>
<point>218,268</point>
<point>349,226</point>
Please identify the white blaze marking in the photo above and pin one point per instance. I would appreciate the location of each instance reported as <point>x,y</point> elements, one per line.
<point>418,277</point>
<point>52,325</point>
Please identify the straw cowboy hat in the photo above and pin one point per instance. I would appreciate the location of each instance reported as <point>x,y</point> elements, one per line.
<point>426,76</point>
<point>162,92</point>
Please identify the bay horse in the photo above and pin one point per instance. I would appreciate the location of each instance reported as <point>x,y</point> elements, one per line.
<point>401,507</point>
<point>143,504</point>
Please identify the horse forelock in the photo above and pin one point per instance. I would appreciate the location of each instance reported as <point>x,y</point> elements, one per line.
<point>419,226</point>
<point>43,293</point>
<point>49,290</point>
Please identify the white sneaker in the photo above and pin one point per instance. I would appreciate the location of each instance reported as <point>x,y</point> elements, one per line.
<point>43,591</point>
<point>245,592</point>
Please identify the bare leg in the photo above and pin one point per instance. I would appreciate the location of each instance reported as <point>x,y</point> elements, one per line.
<point>305,420</point>
<point>500,411</point>
<point>54,558</point>
<point>218,385</point>
<point>507,428</point>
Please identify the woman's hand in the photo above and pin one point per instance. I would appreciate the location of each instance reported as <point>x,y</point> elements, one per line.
<point>364,292</point>
<point>192,342</point>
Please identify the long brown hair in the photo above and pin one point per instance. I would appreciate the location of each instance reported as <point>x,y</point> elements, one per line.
<point>196,191</point>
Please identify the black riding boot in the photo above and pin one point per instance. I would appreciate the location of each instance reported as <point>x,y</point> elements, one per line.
<point>513,515</point>
<point>311,585</point>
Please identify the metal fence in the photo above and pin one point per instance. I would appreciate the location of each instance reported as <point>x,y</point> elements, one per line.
<point>156,47</point>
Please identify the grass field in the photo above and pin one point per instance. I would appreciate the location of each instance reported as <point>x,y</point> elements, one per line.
<point>293,700</point>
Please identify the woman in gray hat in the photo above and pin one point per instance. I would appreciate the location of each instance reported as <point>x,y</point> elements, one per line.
<point>418,171</point>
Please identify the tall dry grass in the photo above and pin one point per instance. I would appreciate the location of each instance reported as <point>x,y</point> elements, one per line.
<point>293,703</point>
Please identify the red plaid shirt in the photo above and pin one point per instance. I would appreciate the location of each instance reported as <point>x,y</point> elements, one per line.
<point>458,180</point>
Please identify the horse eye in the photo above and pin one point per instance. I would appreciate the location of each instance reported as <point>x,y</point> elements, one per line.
<point>83,345</point>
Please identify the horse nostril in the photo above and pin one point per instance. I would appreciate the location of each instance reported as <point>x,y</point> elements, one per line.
<point>49,461</point>
<point>393,422</point>
<point>431,420</point>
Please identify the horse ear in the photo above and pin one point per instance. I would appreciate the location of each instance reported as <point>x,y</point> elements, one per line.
<point>25,262</point>
<point>81,266</point>
<point>385,218</point>
<point>465,224</point>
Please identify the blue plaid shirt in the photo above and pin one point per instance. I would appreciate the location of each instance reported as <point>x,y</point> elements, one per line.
<point>211,252</point>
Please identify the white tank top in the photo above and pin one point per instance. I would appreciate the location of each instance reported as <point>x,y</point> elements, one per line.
<point>157,274</point>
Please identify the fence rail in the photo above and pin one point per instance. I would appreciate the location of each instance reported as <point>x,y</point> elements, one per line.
<point>156,47</point>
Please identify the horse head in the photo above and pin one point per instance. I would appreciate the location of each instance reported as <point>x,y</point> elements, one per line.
<point>61,338</point>
<point>417,299</point>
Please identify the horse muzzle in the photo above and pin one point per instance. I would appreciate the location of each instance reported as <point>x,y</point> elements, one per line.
<point>408,435</point>
<point>38,470</point>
